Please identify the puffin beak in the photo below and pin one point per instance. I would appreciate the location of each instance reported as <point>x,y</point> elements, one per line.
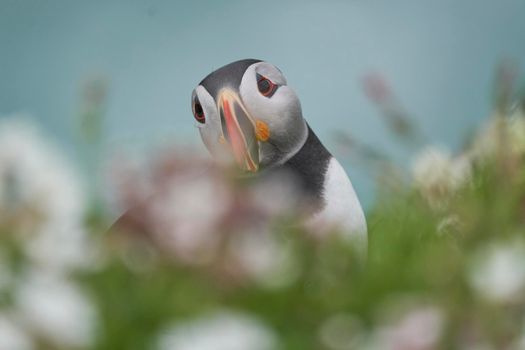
<point>238,128</point>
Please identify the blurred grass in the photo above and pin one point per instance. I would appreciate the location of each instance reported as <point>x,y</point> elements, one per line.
<point>408,258</point>
<point>422,251</point>
<point>417,255</point>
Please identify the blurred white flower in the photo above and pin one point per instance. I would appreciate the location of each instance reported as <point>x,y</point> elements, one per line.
<point>488,140</point>
<point>342,332</point>
<point>497,272</point>
<point>61,247</point>
<point>37,172</point>
<point>264,258</point>
<point>55,309</point>
<point>437,174</point>
<point>418,329</point>
<point>38,186</point>
<point>224,330</point>
<point>188,214</point>
<point>275,195</point>
<point>12,336</point>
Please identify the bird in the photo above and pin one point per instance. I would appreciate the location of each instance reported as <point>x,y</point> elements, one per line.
<point>245,111</point>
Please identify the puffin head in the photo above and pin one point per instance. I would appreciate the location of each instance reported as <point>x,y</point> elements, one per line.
<point>245,111</point>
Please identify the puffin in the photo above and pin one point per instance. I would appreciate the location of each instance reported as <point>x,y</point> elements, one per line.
<point>245,111</point>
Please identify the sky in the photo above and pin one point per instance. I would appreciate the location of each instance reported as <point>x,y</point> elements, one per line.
<point>439,58</point>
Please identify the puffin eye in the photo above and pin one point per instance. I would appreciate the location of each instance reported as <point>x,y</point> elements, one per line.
<point>198,112</point>
<point>266,87</point>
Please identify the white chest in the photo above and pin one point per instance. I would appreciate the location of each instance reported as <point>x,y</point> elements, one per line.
<point>342,209</point>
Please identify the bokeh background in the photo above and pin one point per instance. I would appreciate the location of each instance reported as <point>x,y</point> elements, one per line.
<point>438,56</point>
<point>219,264</point>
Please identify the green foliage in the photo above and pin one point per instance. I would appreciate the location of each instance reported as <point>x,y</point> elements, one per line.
<point>445,266</point>
<point>416,255</point>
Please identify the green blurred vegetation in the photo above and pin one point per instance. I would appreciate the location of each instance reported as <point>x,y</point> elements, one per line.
<point>454,246</point>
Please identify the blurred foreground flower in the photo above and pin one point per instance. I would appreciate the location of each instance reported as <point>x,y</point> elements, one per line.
<point>497,272</point>
<point>419,328</point>
<point>42,208</point>
<point>12,336</point>
<point>224,330</point>
<point>56,310</point>
<point>199,214</point>
<point>500,134</point>
<point>40,196</point>
<point>437,175</point>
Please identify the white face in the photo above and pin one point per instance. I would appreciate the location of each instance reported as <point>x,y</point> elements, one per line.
<point>210,129</point>
<point>263,99</point>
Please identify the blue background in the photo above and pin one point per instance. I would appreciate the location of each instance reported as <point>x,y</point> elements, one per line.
<point>439,57</point>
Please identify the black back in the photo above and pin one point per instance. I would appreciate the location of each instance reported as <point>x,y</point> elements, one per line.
<point>229,75</point>
<point>309,166</point>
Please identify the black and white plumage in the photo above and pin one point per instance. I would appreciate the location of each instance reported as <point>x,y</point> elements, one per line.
<point>246,109</point>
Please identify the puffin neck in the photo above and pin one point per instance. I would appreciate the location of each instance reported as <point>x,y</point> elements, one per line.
<point>309,165</point>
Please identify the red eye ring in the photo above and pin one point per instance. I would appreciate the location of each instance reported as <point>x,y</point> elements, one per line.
<point>198,112</point>
<point>266,87</point>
